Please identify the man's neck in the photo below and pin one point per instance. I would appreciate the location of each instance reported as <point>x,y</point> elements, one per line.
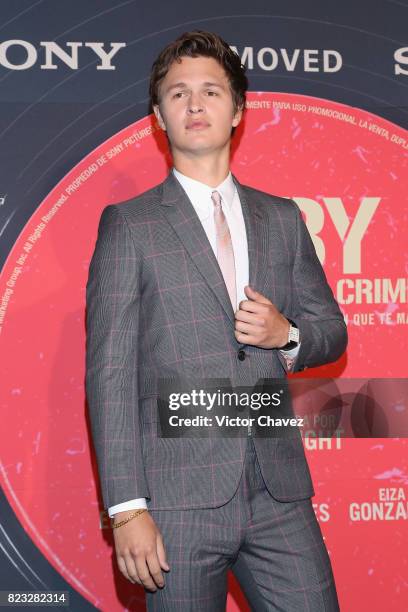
<point>212,171</point>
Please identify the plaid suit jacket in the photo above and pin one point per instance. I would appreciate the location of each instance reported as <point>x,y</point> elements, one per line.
<point>157,306</point>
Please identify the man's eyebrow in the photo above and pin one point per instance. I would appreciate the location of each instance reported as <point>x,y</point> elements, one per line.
<point>181,84</point>
<point>211,84</point>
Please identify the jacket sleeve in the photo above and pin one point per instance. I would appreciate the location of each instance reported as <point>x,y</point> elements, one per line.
<point>323,331</point>
<point>112,320</point>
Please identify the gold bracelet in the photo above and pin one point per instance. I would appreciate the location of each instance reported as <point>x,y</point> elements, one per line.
<point>129,518</point>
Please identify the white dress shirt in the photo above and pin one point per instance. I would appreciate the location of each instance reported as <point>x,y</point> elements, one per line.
<point>200,197</point>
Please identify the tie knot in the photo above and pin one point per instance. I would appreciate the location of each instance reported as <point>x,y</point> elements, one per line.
<point>216,198</point>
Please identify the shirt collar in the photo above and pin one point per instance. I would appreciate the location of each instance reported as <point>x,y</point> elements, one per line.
<point>200,194</point>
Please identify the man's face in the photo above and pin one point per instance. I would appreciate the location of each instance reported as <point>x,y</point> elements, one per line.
<point>196,107</point>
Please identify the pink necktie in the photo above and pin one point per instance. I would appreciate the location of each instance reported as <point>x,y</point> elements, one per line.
<point>225,253</point>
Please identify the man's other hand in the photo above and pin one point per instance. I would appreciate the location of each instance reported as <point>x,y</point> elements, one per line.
<point>258,322</point>
<point>140,551</point>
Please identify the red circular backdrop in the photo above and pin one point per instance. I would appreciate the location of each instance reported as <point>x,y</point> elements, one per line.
<point>347,169</point>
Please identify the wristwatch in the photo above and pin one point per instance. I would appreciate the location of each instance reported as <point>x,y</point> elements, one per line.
<point>293,337</point>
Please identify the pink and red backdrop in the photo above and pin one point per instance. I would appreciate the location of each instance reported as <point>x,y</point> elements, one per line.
<point>344,167</point>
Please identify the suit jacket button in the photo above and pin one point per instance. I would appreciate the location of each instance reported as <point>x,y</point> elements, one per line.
<point>241,354</point>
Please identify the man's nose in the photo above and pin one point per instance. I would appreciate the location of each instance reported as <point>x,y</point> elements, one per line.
<point>195,104</point>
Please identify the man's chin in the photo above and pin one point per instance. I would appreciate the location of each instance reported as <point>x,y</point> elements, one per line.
<point>197,148</point>
<point>204,144</point>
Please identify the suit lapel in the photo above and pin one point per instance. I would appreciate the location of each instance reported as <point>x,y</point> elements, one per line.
<point>181,215</point>
<point>257,231</point>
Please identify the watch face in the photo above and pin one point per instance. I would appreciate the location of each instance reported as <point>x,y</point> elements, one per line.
<point>293,334</point>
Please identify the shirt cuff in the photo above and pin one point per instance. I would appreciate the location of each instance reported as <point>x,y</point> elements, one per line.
<point>132,504</point>
<point>291,352</point>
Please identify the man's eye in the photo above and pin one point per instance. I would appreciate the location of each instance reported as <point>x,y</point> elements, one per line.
<point>213,93</point>
<point>178,94</point>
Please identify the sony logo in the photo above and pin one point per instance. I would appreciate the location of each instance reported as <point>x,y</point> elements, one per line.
<point>267,58</point>
<point>401,57</point>
<point>51,50</point>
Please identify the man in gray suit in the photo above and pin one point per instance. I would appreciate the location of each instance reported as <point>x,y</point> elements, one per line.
<point>202,276</point>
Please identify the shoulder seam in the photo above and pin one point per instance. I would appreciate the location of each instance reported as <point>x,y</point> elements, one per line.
<point>126,222</point>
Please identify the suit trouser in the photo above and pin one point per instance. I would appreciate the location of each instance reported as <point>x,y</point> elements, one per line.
<point>277,547</point>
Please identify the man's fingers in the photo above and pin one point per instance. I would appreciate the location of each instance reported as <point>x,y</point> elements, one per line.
<point>144,573</point>
<point>255,295</point>
<point>246,328</point>
<point>123,568</point>
<point>245,338</point>
<point>155,569</point>
<point>161,553</point>
<point>249,317</point>
<point>131,568</point>
<point>250,306</point>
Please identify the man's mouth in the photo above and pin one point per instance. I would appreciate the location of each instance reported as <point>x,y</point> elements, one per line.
<point>197,125</point>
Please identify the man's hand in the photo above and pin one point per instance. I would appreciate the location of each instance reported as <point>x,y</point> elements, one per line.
<point>140,551</point>
<point>258,322</point>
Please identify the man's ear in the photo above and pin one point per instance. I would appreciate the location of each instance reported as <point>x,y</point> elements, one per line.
<point>159,118</point>
<point>237,117</point>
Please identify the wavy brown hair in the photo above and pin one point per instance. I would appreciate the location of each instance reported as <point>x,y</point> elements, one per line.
<point>195,44</point>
